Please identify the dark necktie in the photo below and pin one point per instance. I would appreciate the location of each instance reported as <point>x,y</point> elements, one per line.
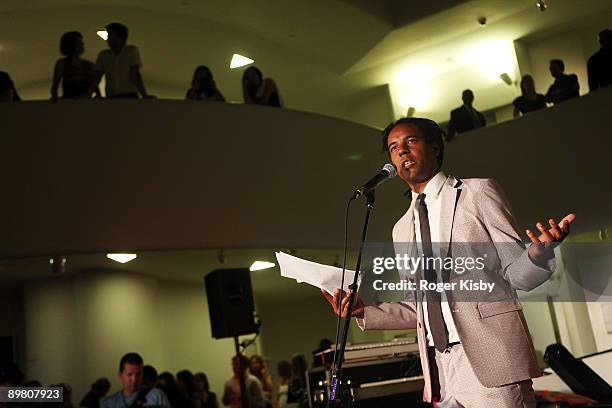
<point>434,309</point>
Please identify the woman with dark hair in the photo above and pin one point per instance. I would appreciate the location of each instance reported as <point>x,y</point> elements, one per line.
<point>76,75</point>
<point>258,90</point>
<point>187,388</point>
<point>167,384</point>
<point>98,390</point>
<point>284,372</point>
<point>529,100</point>
<point>297,387</point>
<point>207,397</point>
<point>257,366</point>
<point>203,87</point>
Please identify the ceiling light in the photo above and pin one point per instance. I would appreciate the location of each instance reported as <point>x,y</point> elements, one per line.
<point>240,61</point>
<point>542,5</point>
<point>506,78</point>
<point>259,265</point>
<point>121,258</point>
<point>102,34</point>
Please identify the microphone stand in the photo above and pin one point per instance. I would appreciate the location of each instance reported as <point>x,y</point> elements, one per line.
<point>340,394</point>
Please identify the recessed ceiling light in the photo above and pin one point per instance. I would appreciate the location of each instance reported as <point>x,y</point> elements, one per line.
<point>259,265</point>
<point>121,258</point>
<point>240,61</point>
<point>102,34</point>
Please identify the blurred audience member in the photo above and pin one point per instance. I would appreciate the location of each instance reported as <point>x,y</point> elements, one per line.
<point>167,384</point>
<point>254,390</point>
<point>465,117</point>
<point>187,388</point>
<point>203,87</point>
<point>76,75</point>
<point>8,93</point>
<point>98,390</point>
<point>565,86</point>
<point>297,387</point>
<point>324,344</point>
<point>132,393</point>
<point>284,373</point>
<point>207,397</point>
<point>259,370</point>
<point>121,66</point>
<point>258,90</point>
<point>599,67</point>
<point>149,376</point>
<point>529,101</point>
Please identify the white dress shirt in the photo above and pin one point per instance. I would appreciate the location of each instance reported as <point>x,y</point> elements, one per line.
<point>433,201</point>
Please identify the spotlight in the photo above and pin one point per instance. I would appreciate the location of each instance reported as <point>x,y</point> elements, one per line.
<point>542,5</point>
<point>506,78</point>
<point>58,264</point>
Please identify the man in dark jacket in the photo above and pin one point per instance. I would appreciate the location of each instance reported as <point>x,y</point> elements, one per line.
<point>465,117</point>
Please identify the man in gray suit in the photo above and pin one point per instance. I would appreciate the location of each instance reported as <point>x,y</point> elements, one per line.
<point>473,353</point>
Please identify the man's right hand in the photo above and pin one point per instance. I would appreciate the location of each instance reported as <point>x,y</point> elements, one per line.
<point>358,306</point>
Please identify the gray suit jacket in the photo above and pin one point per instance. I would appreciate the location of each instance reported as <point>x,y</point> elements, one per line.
<point>494,335</point>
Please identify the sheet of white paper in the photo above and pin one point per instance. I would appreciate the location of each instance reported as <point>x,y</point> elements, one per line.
<point>322,276</point>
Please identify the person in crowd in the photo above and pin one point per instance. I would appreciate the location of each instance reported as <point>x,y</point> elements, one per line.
<point>470,357</point>
<point>259,370</point>
<point>465,117</point>
<point>8,93</point>
<point>76,74</point>
<point>207,397</point>
<point>167,384</point>
<point>258,90</point>
<point>120,64</point>
<point>149,376</point>
<point>565,86</point>
<point>203,87</point>
<point>284,373</point>
<point>98,390</point>
<point>297,392</point>
<point>132,393</point>
<point>599,66</point>
<point>253,388</point>
<point>324,344</point>
<point>530,100</point>
<point>187,388</point>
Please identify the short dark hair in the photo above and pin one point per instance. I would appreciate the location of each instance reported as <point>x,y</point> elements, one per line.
<point>67,43</point>
<point>284,369</point>
<point>252,68</point>
<point>433,134</point>
<point>149,373</point>
<point>119,29</point>
<point>101,384</point>
<point>130,358</point>
<point>243,360</point>
<point>558,62</point>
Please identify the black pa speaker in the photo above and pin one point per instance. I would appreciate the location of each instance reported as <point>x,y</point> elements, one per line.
<point>230,302</point>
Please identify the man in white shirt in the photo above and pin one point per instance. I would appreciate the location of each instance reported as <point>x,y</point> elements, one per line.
<point>132,393</point>
<point>120,64</point>
<point>253,389</point>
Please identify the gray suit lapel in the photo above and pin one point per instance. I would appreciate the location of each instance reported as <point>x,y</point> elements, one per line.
<point>450,195</point>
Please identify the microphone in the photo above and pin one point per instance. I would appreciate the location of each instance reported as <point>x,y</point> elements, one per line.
<point>388,171</point>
